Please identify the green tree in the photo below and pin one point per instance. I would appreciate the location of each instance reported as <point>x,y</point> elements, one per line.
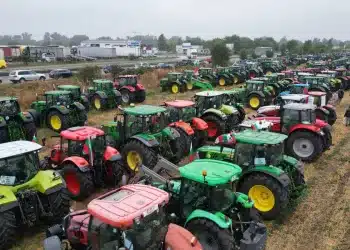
<point>254,56</point>
<point>46,39</point>
<point>220,54</point>
<point>77,39</point>
<point>116,70</point>
<point>162,44</point>
<point>269,53</point>
<point>292,46</point>
<point>25,56</point>
<point>243,54</point>
<point>307,47</point>
<point>89,73</point>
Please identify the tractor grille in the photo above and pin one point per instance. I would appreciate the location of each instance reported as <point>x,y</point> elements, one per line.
<point>29,207</point>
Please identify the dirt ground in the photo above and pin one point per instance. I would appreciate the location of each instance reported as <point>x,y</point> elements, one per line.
<point>319,220</point>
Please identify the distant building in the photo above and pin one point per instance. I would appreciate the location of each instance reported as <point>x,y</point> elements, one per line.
<point>109,48</point>
<point>110,43</point>
<point>261,51</point>
<point>188,49</point>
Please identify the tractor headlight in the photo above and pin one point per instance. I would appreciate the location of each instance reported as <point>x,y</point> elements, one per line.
<point>322,133</point>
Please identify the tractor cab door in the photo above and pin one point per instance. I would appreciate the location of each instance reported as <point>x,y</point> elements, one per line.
<point>289,118</point>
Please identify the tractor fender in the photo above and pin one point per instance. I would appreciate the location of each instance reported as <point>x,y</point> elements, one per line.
<point>259,93</point>
<point>274,172</point>
<point>2,122</point>
<point>8,200</point>
<point>183,126</point>
<point>79,162</point>
<point>199,124</point>
<point>61,109</point>
<point>47,182</point>
<point>323,110</point>
<point>139,86</point>
<point>79,106</point>
<point>216,112</point>
<point>228,110</point>
<point>171,133</point>
<point>305,127</point>
<point>329,107</point>
<point>128,87</point>
<point>26,117</point>
<point>111,154</point>
<point>148,140</point>
<point>218,218</point>
<point>101,94</point>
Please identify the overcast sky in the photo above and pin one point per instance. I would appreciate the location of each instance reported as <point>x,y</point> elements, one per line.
<point>301,19</point>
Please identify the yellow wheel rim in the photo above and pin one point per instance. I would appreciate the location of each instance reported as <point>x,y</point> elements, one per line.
<point>134,160</point>
<point>189,85</point>
<point>235,80</point>
<point>175,89</point>
<point>264,199</point>
<point>269,73</point>
<point>254,102</point>
<point>222,82</point>
<point>56,122</point>
<point>97,103</point>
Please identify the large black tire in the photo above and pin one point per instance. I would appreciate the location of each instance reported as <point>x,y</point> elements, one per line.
<point>86,105</point>
<point>185,140</point>
<point>7,229</point>
<point>199,139</point>
<point>216,126</point>
<point>82,118</point>
<point>4,135</point>
<point>79,184</point>
<point>222,81</point>
<point>63,119</point>
<point>210,235</point>
<point>127,96</point>
<point>36,117</point>
<point>280,193</point>
<point>59,205</point>
<point>177,148</point>
<point>255,101</point>
<point>242,113</point>
<point>309,137</point>
<point>148,155</point>
<point>321,115</point>
<point>332,118</point>
<point>29,130</point>
<point>103,103</point>
<point>140,96</point>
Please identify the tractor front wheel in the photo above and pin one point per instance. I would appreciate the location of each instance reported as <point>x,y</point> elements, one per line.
<point>59,204</point>
<point>222,81</point>
<point>56,121</point>
<point>136,153</point>
<point>175,88</point>
<point>189,85</point>
<point>199,138</point>
<point>255,101</point>
<point>8,229</point>
<point>140,96</point>
<point>79,184</point>
<point>216,126</point>
<point>210,235</point>
<point>127,96</point>
<point>304,146</point>
<point>235,79</point>
<point>269,196</point>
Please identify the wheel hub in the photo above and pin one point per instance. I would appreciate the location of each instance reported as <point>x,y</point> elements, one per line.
<point>303,147</point>
<point>134,160</point>
<point>264,199</point>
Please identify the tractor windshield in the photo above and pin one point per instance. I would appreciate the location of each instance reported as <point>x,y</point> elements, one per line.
<point>81,148</point>
<point>243,154</point>
<point>297,90</point>
<point>19,169</point>
<point>60,99</point>
<point>307,116</point>
<point>270,154</point>
<point>75,93</point>
<point>9,108</point>
<point>145,123</point>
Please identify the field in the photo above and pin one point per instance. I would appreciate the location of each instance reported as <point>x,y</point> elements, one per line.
<point>318,220</point>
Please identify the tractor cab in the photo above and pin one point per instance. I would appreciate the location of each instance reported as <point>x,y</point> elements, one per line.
<point>181,110</point>
<point>175,76</point>
<point>297,113</point>
<point>74,89</point>
<point>258,93</point>
<point>9,107</point>
<point>205,71</point>
<point>58,98</point>
<point>208,99</point>
<point>188,74</point>
<point>318,98</point>
<point>101,85</point>
<point>126,80</point>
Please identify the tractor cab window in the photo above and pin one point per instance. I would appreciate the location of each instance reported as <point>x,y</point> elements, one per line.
<point>243,154</point>
<point>193,194</point>
<point>19,169</point>
<point>9,108</point>
<point>221,197</point>
<point>59,99</point>
<point>76,93</point>
<point>188,113</point>
<point>75,148</point>
<point>150,123</point>
<point>307,116</point>
<point>259,87</point>
<point>103,236</point>
<point>269,154</point>
<point>122,81</point>
<point>173,114</point>
<point>297,90</point>
<point>133,81</point>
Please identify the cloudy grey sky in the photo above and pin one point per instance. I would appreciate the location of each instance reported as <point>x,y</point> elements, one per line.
<point>302,19</point>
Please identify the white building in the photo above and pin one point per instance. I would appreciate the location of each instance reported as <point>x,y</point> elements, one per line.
<point>188,49</point>
<point>119,48</point>
<point>110,43</point>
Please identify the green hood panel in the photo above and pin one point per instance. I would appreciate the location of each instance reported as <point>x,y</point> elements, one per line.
<point>218,218</point>
<point>228,110</point>
<point>147,137</point>
<point>215,111</point>
<point>9,196</point>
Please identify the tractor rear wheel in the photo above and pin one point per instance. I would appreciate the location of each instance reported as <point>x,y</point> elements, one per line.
<point>255,101</point>
<point>36,116</point>
<point>189,85</point>
<point>175,88</point>
<point>222,81</point>
<point>99,103</point>
<point>79,184</point>
<point>140,96</point>
<point>59,204</point>
<point>210,235</point>
<point>185,141</point>
<point>269,196</point>
<point>82,116</point>
<point>7,229</point>
<point>4,136</point>
<point>199,138</point>
<point>176,151</point>
<point>57,121</point>
<point>127,96</point>
<point>304,146</point>
<point>332,118</point>
<point>29,130</point>
<point>135,153</point>
<point>216,126</point>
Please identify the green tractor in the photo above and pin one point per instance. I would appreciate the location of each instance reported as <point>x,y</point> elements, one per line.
<point>102,95</point>
<point>14,124</point>
<point>269,67</point>
<point>240,74</point>
<point>58,111</point>
<point>28,195</point>
<point>208,74</point>
<point>78,96</point>
<point>175,82</point>
<point>319,83</point>
<point>195,83</point>
<point>269,177</point>
<point>218,111</point>
<point>142,132</point>
<point>201,199</point>
<point>271,81</point>
<point>225,77</point>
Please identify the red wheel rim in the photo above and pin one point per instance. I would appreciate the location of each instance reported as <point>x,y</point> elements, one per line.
<point>252,75</point>
<point>72,182</point>
<point>212,129</point>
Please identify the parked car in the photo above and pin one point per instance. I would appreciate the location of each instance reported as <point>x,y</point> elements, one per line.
<point>107,69</point>
<point>60,73</point>
<point>164,66</point>
<point>22,76</point>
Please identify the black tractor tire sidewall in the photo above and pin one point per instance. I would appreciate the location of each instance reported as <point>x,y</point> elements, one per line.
<point>36,116</point>
<point>130,94</point>
<point>64,120</point>
<point>149,156</point>
<point>29,130</point>
<point>8,227</point>
<point>4,136</point>
<point>140,96</point>
<point>59,203</point>
<point>186,140</point>
<point>261,101</point>
<point>103,102</point>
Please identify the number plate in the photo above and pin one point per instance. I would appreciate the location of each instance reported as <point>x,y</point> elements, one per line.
<point>7,180</point>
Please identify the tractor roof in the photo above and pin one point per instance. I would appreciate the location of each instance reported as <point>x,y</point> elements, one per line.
<point>127,76</point>
<point>209,93</point>
<point>301,85</point>
<point>294,97</point>
<point>102,81</point>
<point>14,148</point>
<point>57,92</point>
<point>8,98</point>
<point>144,110</point>
<point>120,207</point>
<point>218,172</point>
<point>174,73</point>
<point>328,71</point>
<point>317,93</point>
<point>68,87</point>
<point>255,82</point>
<point>259,137</point>
<point>304,74</point>
<point>315,77</point>
<point>206,68</point>
<point>81,133</point>
<point>299,106</point>
<point>180,103</point>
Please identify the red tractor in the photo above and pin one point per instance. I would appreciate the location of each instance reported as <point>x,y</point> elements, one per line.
<point>84,160</point>
<point>130,88</point>
<point>131,217</point>
<point>182,116</point>
<point>308,137</point>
